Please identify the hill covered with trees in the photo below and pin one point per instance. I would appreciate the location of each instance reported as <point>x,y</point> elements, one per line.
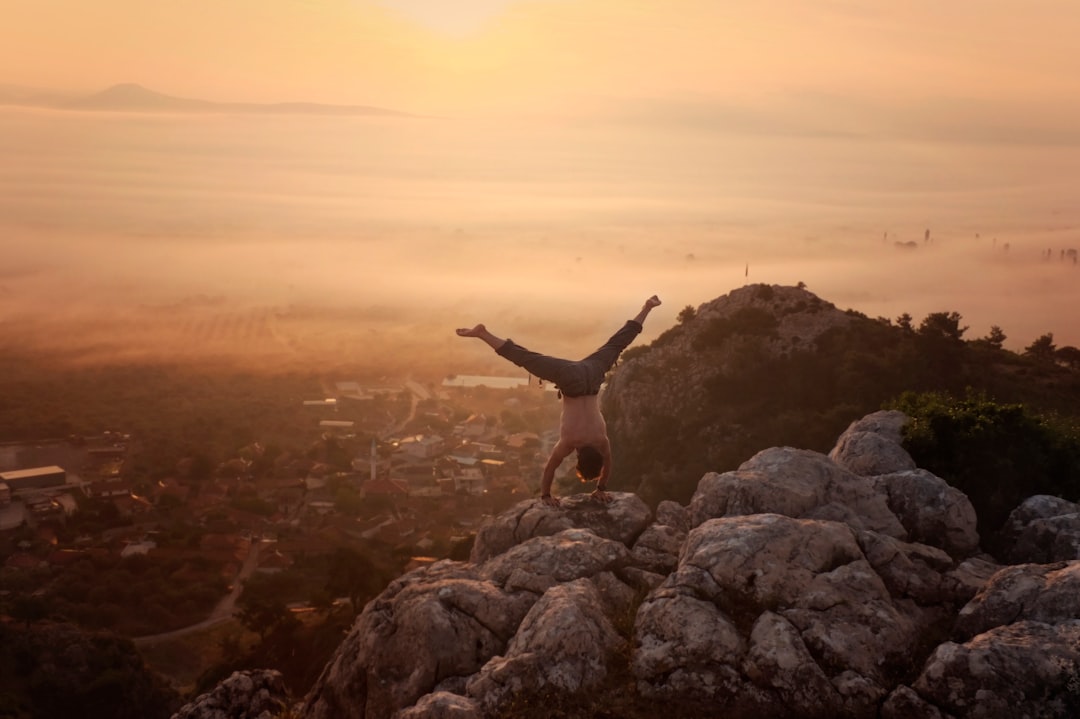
<point>767,366</point>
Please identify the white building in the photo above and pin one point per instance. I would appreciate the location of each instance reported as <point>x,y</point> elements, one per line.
<point>422,446</point>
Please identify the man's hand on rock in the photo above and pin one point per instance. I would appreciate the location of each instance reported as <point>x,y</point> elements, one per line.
<point>549,500</point>
<point>602,496</point>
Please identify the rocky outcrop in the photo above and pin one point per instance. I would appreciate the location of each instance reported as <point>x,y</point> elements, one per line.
<point>258,694</point>
<point>1017,654</point>
<point>475,629</point>
<point>798,585</point>
<point>789,587</point>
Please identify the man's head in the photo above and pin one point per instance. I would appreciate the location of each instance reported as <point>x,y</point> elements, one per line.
<point>589,463</point>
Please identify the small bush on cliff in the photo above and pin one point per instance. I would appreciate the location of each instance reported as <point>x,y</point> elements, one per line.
<point>998,454</point>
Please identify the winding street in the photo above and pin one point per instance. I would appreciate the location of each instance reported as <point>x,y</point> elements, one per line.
<point>224,609</point>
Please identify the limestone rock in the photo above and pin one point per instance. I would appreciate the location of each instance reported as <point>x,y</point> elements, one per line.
<point>542,562</point>
<point>754,593</point>
<point>622,520</point>
<point>690,642</point>
<point>1047,593</point>
<point>1043,529</point>
<point>790,587</point>
<point>778,659</point>
<point>257,694</point>
<point>563,643</point>
<point>796,483</point>
<point>911,571</point>
<point>657,549</point>
<point>430,625</point>
<point>888,423</point>
<point>1025,669</point>
<point>872,445</point>
<point>932,511</point>
<point>674,515</point>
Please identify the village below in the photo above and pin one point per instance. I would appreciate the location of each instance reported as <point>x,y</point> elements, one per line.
<point>394,477</point>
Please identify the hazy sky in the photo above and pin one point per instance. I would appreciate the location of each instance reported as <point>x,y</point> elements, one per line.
<point>469,56</point>
<point>574,157</point>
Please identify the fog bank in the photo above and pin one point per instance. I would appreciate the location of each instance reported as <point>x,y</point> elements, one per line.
<point>348,241</point>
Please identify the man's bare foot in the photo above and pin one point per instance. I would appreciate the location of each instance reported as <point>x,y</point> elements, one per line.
<point>477,331</point>
<point>602,496</point>
<point>550,501</point>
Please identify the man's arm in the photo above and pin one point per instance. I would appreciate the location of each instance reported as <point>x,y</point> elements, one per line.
<point>601,483</point>
<point>558,454</point>
<point>646,308</point>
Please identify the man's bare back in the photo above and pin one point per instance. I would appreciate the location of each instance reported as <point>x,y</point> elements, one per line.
<point>582,427</point>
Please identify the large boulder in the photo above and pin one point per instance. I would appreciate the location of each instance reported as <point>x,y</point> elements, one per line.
<point>797,483</point>
<point>622,520</point>
<point>1025,669</point>
<point>434,628</point>
<point>872,445</point>
<point>564,643</point>
<point>1043,593</point>
<point>932,511</point>
<point>435,625</point>
<point>1043,529</point>
<point>755,594</point>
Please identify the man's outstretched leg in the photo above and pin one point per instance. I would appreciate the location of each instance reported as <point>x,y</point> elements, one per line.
<point>551,369</point>
<point>600,361</point>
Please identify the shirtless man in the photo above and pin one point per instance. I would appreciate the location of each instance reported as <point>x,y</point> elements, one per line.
<point>582,427</point>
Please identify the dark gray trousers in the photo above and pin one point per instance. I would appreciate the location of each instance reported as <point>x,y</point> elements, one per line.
<point>574,379</point>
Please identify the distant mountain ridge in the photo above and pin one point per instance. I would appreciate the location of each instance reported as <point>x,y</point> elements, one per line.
<point>131,97</point>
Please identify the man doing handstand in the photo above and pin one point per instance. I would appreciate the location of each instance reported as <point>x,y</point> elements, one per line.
<point>582,427</point>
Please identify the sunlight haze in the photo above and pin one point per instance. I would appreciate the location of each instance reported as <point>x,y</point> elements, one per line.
<point>543,167</point>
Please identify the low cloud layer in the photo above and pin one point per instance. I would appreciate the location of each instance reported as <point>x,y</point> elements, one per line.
<point>365,242</point>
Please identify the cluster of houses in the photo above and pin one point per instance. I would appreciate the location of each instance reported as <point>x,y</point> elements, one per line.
<point>46,491</point>
<point>411,492</point>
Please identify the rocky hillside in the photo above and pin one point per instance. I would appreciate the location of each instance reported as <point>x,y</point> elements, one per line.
<point>767,366</point>
<point>801,584</point>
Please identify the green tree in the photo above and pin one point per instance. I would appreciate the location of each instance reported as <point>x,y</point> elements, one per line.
<point>997,454</point>
<point>262,605</point>
<point>686,314</point>
<point>1042,349</point>
<point>352,575</point>
<point>996,337</point>
<point>1069,356</point>
<point>943,325</point>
